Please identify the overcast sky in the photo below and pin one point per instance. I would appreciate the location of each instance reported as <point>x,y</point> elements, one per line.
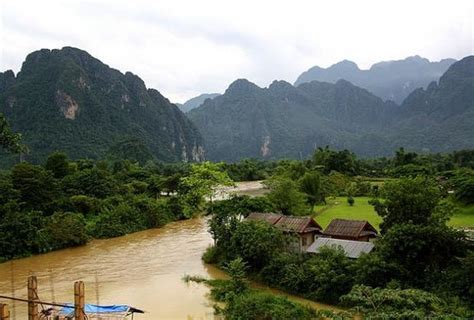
<point>184,48</point>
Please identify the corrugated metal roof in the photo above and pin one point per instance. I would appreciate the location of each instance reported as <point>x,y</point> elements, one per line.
<point>297,224</point>
<point>270,218</point>
<point>349,228</point>
<point>352,249</point>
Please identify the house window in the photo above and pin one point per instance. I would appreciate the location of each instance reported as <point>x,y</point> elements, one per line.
<point>303,241</point>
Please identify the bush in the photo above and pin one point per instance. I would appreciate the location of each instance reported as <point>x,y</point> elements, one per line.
<point>255,305</point>
<point>350,200</point>
<point>211,255</point>
<point>407,304</point>
<point>85,205</point>
<point>256,242</point>
<point>65,229</point>
<point>240,205</point>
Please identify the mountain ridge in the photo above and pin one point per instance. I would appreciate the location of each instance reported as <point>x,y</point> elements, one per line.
<point>65,99</point>
<point>290,121</point>
<point>390,80</point>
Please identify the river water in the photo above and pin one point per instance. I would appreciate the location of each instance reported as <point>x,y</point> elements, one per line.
<point>143,269</point>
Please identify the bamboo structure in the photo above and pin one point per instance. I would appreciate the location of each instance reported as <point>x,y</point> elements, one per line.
<point>4,313</point>
<point>33,297</point>
<point>62,311</point>
<point>79,301</point>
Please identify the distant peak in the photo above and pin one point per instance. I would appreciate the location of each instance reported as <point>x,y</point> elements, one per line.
<point>345,65</point>
<point>279,84</point>
<point>241,86</point>
<point>344,83</point>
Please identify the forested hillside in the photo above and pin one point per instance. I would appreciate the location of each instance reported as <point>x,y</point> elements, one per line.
<point>287,121</point>
<point>67,100</point>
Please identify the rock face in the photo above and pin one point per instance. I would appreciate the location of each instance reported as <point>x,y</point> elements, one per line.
<point>285,121</point>
<point>197,101</point>
<point>68,100</point>
<point>389,80</point>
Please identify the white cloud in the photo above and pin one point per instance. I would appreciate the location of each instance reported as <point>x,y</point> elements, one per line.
<point>186,47</point>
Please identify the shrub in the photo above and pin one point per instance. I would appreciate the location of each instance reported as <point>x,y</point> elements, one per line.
<point>65,229</point>
<point>211,255</point>
<point>256,305</point>
<point>350,200</point>
<point>256,242</point>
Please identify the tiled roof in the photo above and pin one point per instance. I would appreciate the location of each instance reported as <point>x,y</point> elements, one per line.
<point>297,224</point>
<point>352,249</point>
<point>349,228</point>
<point>270,218</point>
<point>286,223</point>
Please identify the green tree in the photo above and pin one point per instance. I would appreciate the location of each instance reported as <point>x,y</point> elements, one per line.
<point>18,232</point>
<point>329,275</point>
<point>403,158</point>
<point>237,270</point>
<point>37,187</point>
<point>409,200</point>
<point>256,243</point>
<point>65,229</point>
<point>58,164</point>
<point>285,195</point>
<point>202,182</point>
<point>310,184</point>
<point>342,161</point>
<point>463,183</point>
<point>8,140</point>
<point>378,303</point>
<point>90,182</point>
<point>350,200</point>
<point>256,305</point>
<point>421,252</point>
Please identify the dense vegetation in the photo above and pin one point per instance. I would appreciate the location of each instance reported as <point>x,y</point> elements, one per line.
<point>67,100</point>
<point>65,203</point>
<point>420,267</point>
<point>389,80</point>
<point>283,121</point>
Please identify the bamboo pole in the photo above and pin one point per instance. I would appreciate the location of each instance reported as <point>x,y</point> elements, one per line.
<point>33,297</point>
<point>4,313</point>
<point>79,301</point>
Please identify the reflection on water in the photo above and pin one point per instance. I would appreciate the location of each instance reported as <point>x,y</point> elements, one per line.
<point>144,269</point>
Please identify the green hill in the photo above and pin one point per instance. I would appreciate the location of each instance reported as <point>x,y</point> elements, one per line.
<point>67,100</point>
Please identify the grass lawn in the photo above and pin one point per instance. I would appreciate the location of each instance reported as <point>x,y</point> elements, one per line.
<point>339,208</point>
<point>464,217</point>
<point>362,210</point>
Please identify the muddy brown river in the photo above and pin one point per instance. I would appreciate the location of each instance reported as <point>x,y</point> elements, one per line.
<point>143,269</point>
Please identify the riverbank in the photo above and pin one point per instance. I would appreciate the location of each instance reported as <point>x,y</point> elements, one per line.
<point>143,269</point>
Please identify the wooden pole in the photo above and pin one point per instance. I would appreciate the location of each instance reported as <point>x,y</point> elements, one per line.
<point>79,301</point>
<point>4,313</point>
<point>32,295</point>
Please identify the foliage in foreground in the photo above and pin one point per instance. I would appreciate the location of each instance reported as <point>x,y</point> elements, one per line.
<point>378,303</point>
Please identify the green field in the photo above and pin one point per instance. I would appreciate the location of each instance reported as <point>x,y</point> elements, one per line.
<point>362,210</point>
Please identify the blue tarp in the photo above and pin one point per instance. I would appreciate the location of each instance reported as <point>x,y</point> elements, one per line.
<point>92,308</point>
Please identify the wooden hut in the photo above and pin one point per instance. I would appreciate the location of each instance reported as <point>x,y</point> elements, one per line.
<point>303,230</point>
<point>357,230</point>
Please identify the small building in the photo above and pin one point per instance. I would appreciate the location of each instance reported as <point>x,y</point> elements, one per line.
<point>352,249</point>
<point>304,229</point>
<point>357,230</point>
<point>270,218</point>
